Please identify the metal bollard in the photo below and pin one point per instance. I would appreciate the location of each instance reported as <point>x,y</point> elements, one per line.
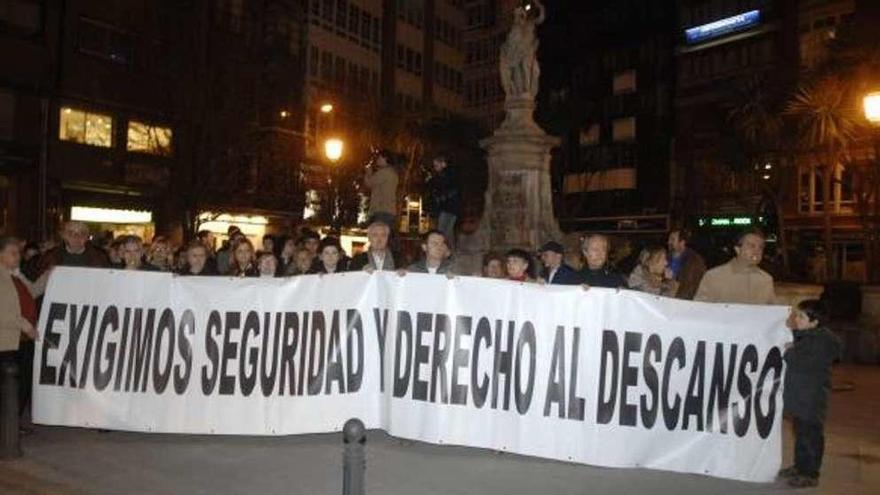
<point>354,460</point>
<point>10,442</point>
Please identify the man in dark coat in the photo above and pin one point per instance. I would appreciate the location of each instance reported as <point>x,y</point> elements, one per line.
<point>378,256</point>
<point>555,271</point>
<point>444,198</point>
<point>597,272</point>
<point>74,251</point>
<point>807,383</point>
<point>436,259</point>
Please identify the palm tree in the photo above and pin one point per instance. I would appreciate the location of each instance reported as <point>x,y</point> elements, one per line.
<point>826,127</point>
<point>759,127</point>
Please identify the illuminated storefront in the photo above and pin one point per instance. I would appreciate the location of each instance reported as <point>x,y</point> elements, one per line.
<point>118,222</point>
<point>252,226</point>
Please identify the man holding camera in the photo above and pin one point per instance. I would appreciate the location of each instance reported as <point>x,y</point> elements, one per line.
<point>381,179</point>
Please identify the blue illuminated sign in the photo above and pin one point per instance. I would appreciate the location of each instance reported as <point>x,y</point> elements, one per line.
<point>721,27</point>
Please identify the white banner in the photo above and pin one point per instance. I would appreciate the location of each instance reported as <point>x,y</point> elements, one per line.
<point>603,377</point>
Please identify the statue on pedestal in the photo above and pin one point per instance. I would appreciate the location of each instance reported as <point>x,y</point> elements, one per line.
<point>518,209</point>
<point>519,55</point>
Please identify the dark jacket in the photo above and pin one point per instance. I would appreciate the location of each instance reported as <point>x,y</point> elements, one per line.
<point>565,275</point>
<point>421,266</point>
<point>362,260</point>
<point>444,193</point>
<point>808,373</point>
<point>693,267</point>
<point>92,257</point>
<point>604,277</point>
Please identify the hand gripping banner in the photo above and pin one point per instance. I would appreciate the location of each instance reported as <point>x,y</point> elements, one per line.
<point>601,377</point>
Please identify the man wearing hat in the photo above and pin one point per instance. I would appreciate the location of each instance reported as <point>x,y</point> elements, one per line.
<point>555,271</point>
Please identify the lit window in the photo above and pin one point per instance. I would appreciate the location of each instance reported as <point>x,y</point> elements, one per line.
<point>623,129</point>
<point>83,127</point>
<point>143,138</point>
<point>624,82</point>
<point>590,135</point>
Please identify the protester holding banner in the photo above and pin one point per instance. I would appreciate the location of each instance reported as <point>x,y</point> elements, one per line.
<point>687,266</point>
<point>330,259</point>
<point>378,256</point>
<point>132,250</point>
<point>302,263</point>
<point>159,254</point>
<point>556,272</point>
<point>243,262</point>
<point>435,245</point>
<point>286,252</point>
<point>268,264</point>
<point>224,255</point>
<point>197,260</point>
<point>493,266</point>
<point>519,266</point>
<point>18,315</point>
<point>74,251</point>
<point>807,384</point>
<point>740,280</point>
<point>651,275</point>
<point>598,272</point>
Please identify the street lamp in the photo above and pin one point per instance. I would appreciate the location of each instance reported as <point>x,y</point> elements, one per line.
<point>871,104</point>
<point>333,151</point>
<point>872,108</point>
<point>326,108</point>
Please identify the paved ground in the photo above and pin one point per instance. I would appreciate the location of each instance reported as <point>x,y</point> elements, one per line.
<point>69,460</point>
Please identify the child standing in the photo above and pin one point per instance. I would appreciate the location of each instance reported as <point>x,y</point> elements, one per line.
<point>807,383</point>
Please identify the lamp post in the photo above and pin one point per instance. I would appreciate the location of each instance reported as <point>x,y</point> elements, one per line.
<point>333,151</point>
<point>871,104</point>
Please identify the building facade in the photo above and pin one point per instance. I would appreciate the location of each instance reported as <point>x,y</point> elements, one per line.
<point>613,108</point>
<point>128,116</point>
<point>372,67</point>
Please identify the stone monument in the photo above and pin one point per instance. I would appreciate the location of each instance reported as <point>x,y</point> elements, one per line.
<point>518,210</point>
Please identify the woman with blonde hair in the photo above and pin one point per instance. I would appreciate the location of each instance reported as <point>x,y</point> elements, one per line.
<point>159,254</point>
<point>652,275</point>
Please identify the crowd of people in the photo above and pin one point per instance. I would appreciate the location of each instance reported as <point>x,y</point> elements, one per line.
<point>674,270</point>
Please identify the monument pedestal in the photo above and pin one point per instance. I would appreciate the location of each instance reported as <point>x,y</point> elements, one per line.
<point>518,211</point>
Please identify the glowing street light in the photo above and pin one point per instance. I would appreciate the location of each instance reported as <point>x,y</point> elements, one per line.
<point>326,108</point>
<point>872,108</point>
<point>333,149</point>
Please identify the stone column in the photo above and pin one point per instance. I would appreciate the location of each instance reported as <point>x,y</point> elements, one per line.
<point>518,211</point>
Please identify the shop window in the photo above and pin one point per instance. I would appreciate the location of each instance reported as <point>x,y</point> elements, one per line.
<point>83,127</point>
<point>150,139</point>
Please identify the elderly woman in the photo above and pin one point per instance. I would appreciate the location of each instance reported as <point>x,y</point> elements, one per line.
<point>160,254</point>
<point>651,275</point>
